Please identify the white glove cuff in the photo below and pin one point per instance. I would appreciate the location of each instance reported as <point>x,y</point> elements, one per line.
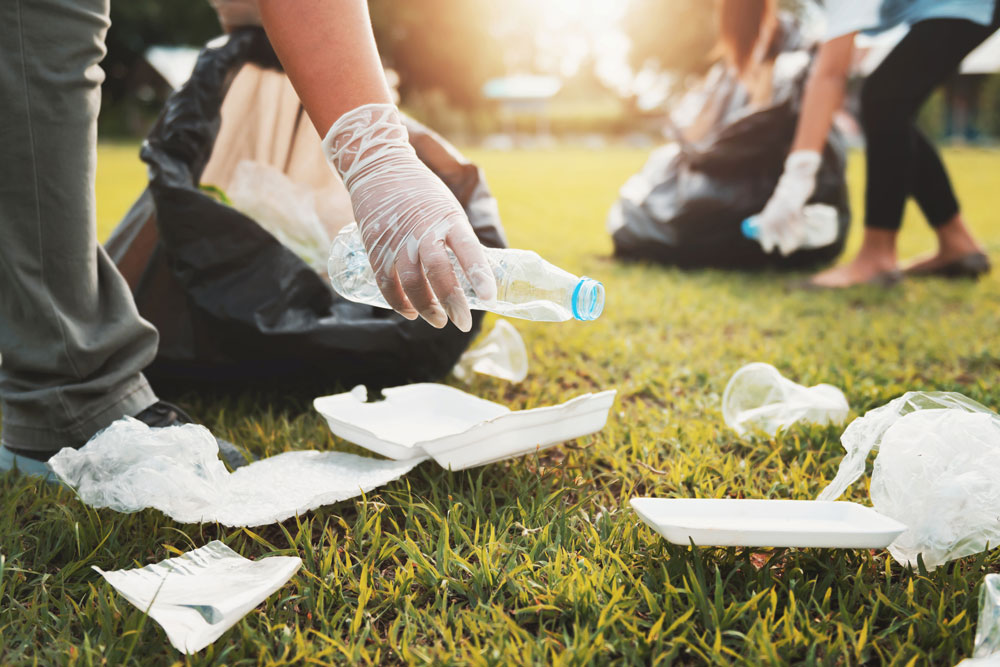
<point>803,164</point>
<point>361,137</point>
<point>798,181</point>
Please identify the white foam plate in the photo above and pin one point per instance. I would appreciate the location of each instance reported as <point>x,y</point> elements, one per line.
<point>458,430</point>
<point>768,523</point>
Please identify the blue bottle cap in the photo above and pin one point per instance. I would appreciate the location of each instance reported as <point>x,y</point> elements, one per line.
<point>751,228</point>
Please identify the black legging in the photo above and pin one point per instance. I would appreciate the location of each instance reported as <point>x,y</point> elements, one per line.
<point>901,161</point>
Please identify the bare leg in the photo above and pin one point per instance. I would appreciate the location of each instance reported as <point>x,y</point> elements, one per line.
<point>901,162</point>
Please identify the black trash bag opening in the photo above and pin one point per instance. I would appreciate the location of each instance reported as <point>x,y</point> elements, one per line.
<point>686,206</point>
<point>234,306</point>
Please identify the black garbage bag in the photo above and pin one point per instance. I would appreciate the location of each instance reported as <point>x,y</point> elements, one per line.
<point>686,205</point>
<point>235,306</point>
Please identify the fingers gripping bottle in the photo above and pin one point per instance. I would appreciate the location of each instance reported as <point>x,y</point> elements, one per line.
<point>528,287</point>
<point>819,227</point>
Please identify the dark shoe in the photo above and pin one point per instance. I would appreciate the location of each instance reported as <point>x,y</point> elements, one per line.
<point>162,414</point>
<point>973,265</point>
<point>886,279</point>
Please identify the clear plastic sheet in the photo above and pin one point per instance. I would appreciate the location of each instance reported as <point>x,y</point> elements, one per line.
<point>288,210</point>
<point>936,470</point>
<point>501,353</point>
<point>758,397</point>
<point>987,650</point>
<point>130,466</point>
<point>865,433</point>
<point>198,596</point>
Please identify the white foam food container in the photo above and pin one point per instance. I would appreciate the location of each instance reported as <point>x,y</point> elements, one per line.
<point>768,523</point>
<point>456,429</point>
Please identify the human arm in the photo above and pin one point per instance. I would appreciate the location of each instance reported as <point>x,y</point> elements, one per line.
<point>823,95</point>
<point>407,216</point>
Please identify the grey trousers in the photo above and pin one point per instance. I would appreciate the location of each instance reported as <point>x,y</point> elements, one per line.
<point>72,344</point>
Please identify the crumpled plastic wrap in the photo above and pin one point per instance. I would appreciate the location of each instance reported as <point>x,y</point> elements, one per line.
<point>130,466</point>
<point>288,210</point>
<point>198,596</point>
<point>987,650</point>
<point>501,353</point>
<point>865,433</point>
<point>936,471</point>
<point>758,397</point>
<point>236,13</point>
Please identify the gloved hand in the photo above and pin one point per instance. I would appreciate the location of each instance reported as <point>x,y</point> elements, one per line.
<point>780,222</point>
<point>407,218</point>
<point>236,13</point>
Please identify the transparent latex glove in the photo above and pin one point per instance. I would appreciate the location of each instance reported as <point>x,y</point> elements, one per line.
<point>408,219</point>
<point>236,13</point>
<point>781,224</point>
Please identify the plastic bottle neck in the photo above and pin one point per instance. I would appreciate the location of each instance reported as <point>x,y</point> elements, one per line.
<point>588,299</point>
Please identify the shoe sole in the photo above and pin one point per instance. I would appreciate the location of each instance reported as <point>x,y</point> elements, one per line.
<point>972,266</point>
<point>885,280</point>
<point>9,461</point>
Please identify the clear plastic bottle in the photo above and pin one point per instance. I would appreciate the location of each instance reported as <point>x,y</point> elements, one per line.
<point>820,226</point>
<point>528,287</point>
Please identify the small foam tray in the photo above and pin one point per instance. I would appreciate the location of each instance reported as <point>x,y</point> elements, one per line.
<point>730,522</point>
<point>454,428</point>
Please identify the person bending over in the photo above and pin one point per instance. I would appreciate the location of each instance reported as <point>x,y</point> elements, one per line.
<point>901,161</point>
<point>72,342</point>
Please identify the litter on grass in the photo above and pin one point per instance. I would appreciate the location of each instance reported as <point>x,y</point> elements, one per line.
<point>936,470</point>
<point>457,429</point>
<point>199,595</point>
<point>501,354</point>
<point>758,397</point>
<point>987,649</point>
<point>129,466</point>
<point>738,522</point>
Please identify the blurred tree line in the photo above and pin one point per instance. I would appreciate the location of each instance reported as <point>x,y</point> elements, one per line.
<point>678,35</point>
<point>440,46</point>
<point>443,50</point>
<point>135,26</point>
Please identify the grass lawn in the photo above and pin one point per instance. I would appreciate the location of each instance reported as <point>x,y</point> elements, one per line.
<point>540,560</point>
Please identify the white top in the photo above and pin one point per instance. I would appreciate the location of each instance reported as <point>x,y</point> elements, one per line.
<point>847,16</point>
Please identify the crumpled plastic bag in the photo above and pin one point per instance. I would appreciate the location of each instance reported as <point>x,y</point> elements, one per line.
<point>987,650</point>
<point>501,353</point>
<point>130,466</point>
<point>286,209</point>
<point>936,471</point>
<point>236,13</point>
<point>759,397</point>
<point>199,595</point>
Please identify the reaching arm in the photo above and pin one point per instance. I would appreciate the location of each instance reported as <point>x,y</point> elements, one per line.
<point>328,51</point>
<point>824,93</point>
<point>407,217</point>
<point>780,221</point>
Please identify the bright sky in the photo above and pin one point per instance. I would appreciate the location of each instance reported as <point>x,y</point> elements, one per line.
<point>557,36</point>
<point>562,33</point>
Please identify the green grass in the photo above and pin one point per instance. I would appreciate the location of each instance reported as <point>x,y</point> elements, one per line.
<point>540,560</point>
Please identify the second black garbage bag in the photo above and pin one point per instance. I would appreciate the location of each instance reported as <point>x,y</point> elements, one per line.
<point>231,302</point>
<point>685,207</point>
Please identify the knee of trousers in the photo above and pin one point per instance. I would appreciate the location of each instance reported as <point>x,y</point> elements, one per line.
<point>880,111</point>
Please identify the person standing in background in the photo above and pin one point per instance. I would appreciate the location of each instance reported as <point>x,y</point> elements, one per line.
<point>901,161</point>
